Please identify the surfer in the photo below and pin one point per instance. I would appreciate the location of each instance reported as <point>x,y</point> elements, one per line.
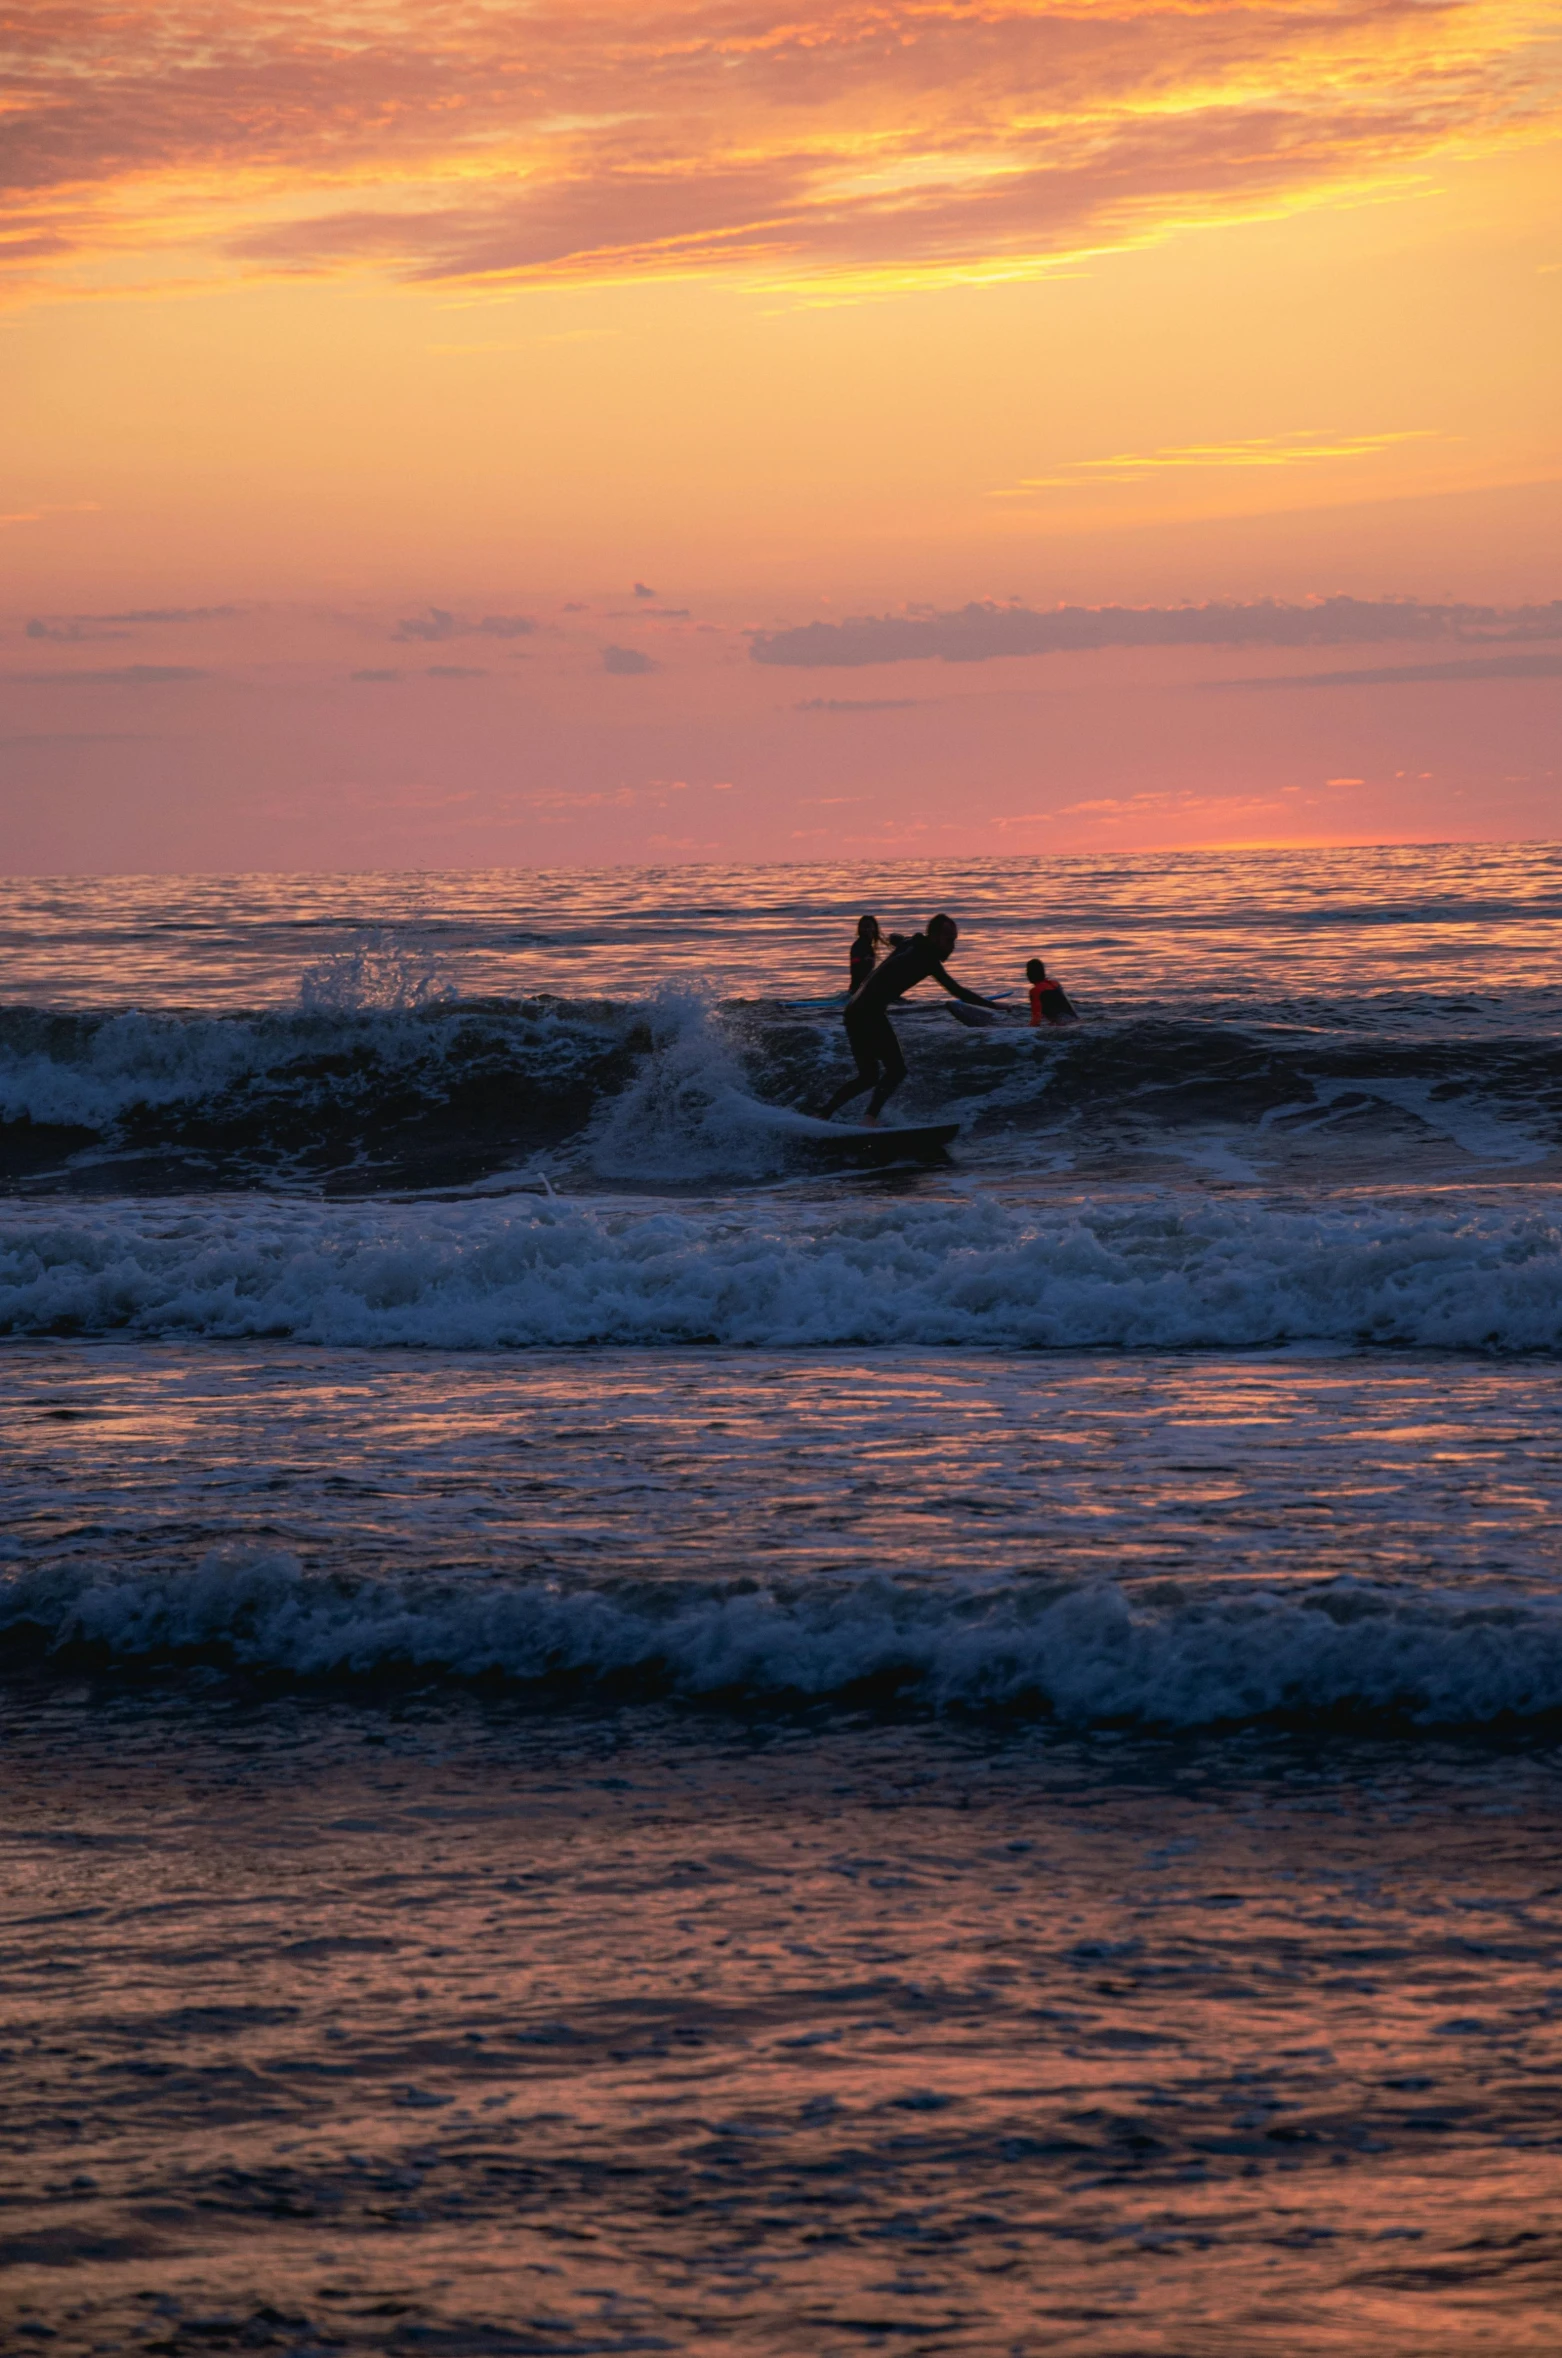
<point>1049,1002</point>
<point>869,1032</point>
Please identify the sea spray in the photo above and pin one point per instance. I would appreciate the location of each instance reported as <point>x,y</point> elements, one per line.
<point>688,1113</point>
<point>381,973</point>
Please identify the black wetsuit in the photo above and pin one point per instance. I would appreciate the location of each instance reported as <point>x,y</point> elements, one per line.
<point>869,1032</point>
<point>863,959</point>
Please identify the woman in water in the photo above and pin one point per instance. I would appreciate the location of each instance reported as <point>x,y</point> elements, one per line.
<point>868,948</point>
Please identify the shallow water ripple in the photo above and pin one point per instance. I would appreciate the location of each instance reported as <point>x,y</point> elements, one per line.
<point>414,2032</point>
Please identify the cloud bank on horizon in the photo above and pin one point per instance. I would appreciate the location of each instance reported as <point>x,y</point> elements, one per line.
<point>984,630</point>
<point>607,139</point>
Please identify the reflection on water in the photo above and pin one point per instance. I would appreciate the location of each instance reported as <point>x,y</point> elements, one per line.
<point>615,1740</point>
<point>1409,932</point>
<point>686,1468</point>
<point>408,2031</point>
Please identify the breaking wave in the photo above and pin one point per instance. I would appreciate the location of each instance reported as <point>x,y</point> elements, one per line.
<point>964,1270</point>
<point>1351,1653</point>
<point>433,1089</point>
<point>381,1082</point>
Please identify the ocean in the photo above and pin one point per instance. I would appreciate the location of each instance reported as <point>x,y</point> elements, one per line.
<point>621,1735</point>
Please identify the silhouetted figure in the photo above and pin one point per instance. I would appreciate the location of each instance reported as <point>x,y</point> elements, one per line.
<point>865,950</point>
<point>869,1032</point>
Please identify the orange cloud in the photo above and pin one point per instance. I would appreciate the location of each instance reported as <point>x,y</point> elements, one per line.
<point>869,138</point>
<point>75,507</point>
<point>1259,450</point>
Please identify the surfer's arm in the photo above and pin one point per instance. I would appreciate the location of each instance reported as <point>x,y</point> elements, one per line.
<point>946,982</point>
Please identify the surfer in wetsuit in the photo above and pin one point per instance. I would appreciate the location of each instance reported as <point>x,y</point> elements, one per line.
<point>869,1032</point>
<point>1049,1002</point>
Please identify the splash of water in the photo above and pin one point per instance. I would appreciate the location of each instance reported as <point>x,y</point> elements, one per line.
<point>688,1114</point>
<point>380,974</point>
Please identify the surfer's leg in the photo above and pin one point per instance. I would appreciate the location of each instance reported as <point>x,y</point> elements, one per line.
<point>843,1096</point>
<point>861,1040</point>
<point>893,1068</point>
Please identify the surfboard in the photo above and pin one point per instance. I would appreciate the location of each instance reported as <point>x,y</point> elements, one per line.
<point>847,1141</point>
<point>926,1142</point>
<point>478,1193</point>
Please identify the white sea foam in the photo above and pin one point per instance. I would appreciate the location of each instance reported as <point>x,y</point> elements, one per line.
<point>1178,1270</point>
<point>125,1061</point>
<point>92,1074</point>
<point>1486,1132</point>
<point>688,1113</point>
<point>1090,1655</point>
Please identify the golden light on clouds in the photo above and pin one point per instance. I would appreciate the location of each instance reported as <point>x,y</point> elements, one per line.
<point>41,514</point>
<point>1081,370</point>
<point>181,144</point>
<point>1259,450</point>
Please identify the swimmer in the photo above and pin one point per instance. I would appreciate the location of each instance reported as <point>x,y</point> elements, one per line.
<point>1049,1002</point>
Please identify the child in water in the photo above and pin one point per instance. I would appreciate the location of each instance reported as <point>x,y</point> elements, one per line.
<point>1049,1001</point>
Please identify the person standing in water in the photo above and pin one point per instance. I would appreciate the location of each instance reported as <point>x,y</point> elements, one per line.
<point>866,948</point>
<point>869,1032</point>
<point>865,951</point>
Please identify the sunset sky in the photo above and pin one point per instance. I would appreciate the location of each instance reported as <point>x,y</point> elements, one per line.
<point>475,434</point>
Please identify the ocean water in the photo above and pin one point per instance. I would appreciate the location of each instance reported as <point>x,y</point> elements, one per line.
<point>622,1734</point>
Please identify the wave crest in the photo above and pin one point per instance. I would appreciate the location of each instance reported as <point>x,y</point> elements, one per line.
<point>384,1081</point>
<point>1171,1271</point>
<point>1092,1656</point>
